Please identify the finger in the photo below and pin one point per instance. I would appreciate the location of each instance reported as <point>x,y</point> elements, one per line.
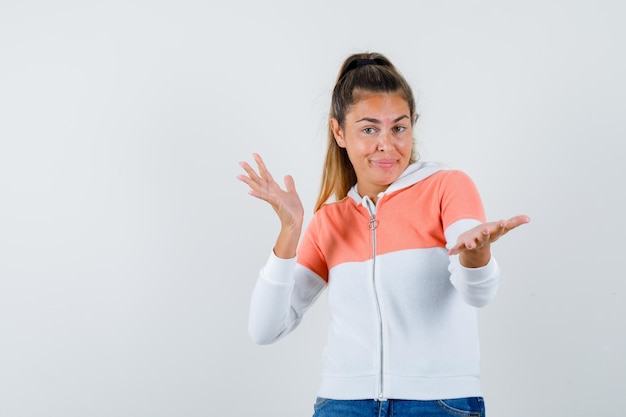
<point>466,241</point>
<point>480,239</point>
<point>244,179</point>
<point>257,186</point>
<point>503,227</point>
<point>462,246</point>
<point>252,175</point>
<point>516,221</point>
<point>263,171</point>
<point>470,244</point>
<point>486,234</point>
<point>290,185</point>
<point>495,228</point>
<point>456,249</point>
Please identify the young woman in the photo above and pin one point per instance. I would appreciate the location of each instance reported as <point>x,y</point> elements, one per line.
<point>403,249</point>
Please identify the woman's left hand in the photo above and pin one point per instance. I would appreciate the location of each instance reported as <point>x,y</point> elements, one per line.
<point>474,245</point>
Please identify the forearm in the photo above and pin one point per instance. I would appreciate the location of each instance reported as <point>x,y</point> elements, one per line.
<point>287,242</point>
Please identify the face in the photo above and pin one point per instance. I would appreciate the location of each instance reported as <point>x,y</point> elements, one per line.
<point>378,136</point>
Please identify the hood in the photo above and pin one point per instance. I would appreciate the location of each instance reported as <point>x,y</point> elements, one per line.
<point>413,174</point>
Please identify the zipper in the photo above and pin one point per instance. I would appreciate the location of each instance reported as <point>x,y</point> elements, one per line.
<point>372,225</point>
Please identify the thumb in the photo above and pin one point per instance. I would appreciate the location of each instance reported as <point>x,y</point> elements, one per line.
<point>290,184</point>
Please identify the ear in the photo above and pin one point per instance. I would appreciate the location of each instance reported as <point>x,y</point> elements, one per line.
<point>337,132</point>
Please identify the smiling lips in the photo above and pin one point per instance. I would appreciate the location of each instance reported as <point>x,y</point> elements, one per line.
<point>384,163</point>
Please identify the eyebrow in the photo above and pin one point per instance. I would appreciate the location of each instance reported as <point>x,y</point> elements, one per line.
<point>371,120</point>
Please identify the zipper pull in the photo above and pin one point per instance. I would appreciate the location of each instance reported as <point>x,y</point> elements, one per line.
<point>367,203</point>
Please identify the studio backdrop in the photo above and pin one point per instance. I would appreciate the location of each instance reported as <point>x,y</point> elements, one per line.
<point>129,250</point>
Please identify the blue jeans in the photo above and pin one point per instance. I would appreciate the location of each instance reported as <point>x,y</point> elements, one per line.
<point>458,407</point>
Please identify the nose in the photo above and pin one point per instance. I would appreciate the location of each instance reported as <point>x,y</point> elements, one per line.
<point>384,142</point>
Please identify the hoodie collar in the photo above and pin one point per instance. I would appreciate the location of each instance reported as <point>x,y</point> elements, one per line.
<point>413,174</point>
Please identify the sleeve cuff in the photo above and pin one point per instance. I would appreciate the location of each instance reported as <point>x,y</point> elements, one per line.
<point>480,274</point>
<point>279,270</point>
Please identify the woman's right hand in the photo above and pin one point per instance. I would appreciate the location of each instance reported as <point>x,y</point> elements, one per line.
<point>286,203</point>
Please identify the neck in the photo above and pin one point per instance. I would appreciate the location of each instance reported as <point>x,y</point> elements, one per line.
<point>372,194</point>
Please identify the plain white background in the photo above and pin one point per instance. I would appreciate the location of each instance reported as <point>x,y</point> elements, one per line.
<point>128,249</point>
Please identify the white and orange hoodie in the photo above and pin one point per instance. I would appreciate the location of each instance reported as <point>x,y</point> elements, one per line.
<point>403,312</point>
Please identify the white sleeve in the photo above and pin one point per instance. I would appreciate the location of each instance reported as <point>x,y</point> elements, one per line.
<point>476,286</point>
<point>281,296</point>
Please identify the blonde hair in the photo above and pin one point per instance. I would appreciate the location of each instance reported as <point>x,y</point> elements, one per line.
<point>363,72</point>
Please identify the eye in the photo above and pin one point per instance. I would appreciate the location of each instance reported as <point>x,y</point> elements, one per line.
<point>369,130</point>
<point>399,129</point>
